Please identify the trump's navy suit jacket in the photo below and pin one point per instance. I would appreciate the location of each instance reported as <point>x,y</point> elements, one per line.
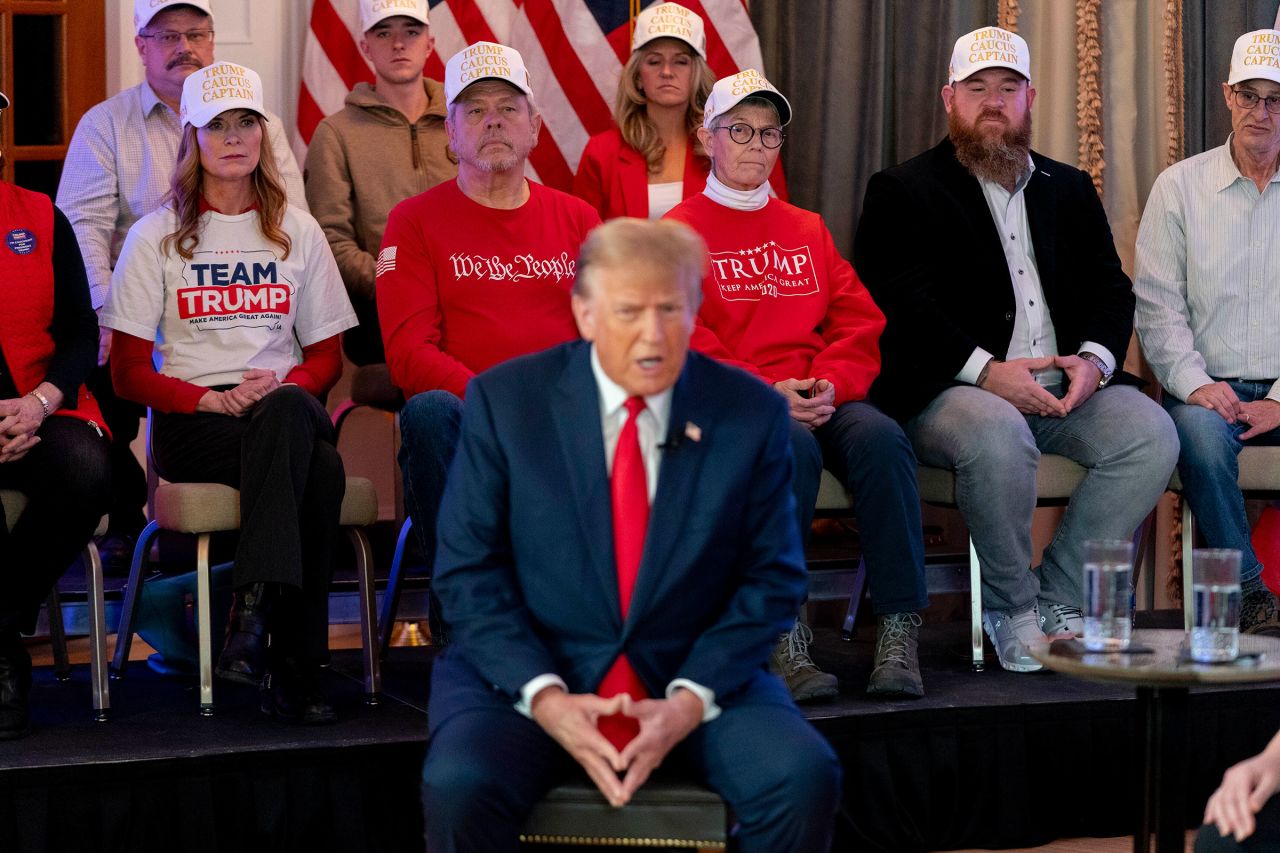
<point>525,570</point>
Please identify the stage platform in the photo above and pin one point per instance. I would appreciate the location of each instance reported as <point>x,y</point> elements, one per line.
<point>987,759</point>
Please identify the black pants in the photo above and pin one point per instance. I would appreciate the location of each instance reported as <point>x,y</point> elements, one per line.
<point>67,481</point>
<point>1265,838</point>
<point>282,458</point>
<point>128,481</point>
<point>363,343</point>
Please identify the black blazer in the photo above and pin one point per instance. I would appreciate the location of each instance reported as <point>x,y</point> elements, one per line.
<point>928,250</point>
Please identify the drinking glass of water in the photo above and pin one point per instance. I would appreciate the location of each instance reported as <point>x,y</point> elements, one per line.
<point>1108,594</point>
<point>1215,598</point>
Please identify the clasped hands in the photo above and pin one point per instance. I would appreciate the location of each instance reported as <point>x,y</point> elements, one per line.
<point>571,719</point>
<point>20,417</point>
<point>1015,381</point>
<point>812,410</point>
<point>1261,416</point>
<point>257,383</point>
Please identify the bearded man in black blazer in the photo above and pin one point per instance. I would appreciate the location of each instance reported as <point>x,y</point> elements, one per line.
<point>1008,317</point>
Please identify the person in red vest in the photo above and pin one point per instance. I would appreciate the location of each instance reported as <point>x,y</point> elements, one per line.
<point>239,294</point>
<point>53,447</point>
<point>652,160</point>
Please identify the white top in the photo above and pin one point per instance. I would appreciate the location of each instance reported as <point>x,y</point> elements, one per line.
<point>1207,275</point>
<point>118,168</point>
<point>237,304</point>
<point>652,431</point>
<point>663,197</point>
<point>1033,333</point>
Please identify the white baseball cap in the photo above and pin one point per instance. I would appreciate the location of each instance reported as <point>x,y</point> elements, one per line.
<point>728,92</point>
<point>217,88</point>
<point>989,47</point>
<point>372,12</point>
<point>672,21</point>
<point>1256,57</point>
<point>484,60</point>
<point>145,10</point>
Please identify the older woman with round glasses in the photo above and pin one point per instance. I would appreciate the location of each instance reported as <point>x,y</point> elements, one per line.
<point>652,160</point>
<point>782,304</point>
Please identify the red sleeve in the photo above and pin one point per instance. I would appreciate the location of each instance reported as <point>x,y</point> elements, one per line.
<point>409,312</point>
<point>706,342</point>
<point>851,328</point>
<point>588,183</point>
<point>320,368</point>
<point>135,378</point>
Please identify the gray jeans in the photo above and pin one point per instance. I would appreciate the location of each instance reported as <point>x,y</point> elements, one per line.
<point>1124,439</point>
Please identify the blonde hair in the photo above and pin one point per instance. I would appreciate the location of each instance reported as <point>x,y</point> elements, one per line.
<point>665,249</point>
<point>188,181</point>
<point>630,108</point>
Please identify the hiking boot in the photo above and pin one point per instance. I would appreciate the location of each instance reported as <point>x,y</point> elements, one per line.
<point>1259,611</point>
<point>897,669</point>
<point>1060,621</point>
<point>790,659</point>
<point>1012,634</point>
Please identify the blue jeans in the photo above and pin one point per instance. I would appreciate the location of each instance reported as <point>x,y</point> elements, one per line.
<point>1123,439</point>
<point>869,453</point>
<point>429,427</point>
<point>1210,470</point>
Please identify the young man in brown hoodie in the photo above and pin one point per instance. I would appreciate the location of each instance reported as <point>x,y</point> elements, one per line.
<point>387,144</point>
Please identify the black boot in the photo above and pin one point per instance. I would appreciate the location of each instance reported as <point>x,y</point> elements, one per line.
<point>15,686</point>
<point>243,656</point>
<point>291,692</point>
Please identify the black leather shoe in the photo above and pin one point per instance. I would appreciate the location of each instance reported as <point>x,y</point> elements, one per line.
<point>15,689</point>
<point>243,657</point>
<point>291,692</point>
<point>116,551</point>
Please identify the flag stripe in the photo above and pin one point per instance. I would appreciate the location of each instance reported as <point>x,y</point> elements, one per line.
<point>566,68</point>
<point>339,45</point>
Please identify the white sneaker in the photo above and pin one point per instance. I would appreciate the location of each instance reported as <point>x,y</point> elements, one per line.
<point>1012,634</point>
<point>1060,621</point>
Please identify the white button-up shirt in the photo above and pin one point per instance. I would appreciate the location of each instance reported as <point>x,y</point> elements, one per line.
<point>1207,277</point>
<point>118,168</point>
<point>1033,333</point>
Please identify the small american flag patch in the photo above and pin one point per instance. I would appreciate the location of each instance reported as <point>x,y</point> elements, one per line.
<point>386,261</point>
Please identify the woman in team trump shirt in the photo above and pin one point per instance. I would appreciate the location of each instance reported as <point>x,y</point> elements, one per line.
<point>780,302</point>
<point>652,159</point>
<point>239,295</point>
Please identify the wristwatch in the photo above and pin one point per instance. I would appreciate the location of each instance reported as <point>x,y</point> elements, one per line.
<point>1097,362</point>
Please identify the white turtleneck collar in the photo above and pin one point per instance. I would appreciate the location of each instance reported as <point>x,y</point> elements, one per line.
<point>754,199</point>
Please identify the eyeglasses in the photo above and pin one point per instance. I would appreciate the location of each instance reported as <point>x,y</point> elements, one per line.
<point>169,38</point>
<point>1247,100</point>
<point>770,137</point>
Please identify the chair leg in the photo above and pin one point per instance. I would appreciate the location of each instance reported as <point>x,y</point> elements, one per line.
<point>58,636</point>
<point>128,610</point>
<point>391,595</point>
<point>369,650</point>
<point>203,626</point>
<point>1188,545</point>
<point>97,633</point>
<point>975,607</point>
<point>855,599</point>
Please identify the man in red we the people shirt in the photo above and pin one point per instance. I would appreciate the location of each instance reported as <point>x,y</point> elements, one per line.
<point>475,270</point>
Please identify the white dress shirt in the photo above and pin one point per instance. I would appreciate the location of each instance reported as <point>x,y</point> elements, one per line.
<point>651,427</point>
<point>1033,333</point>
<point>118,168</point>
<point>1207,275</point>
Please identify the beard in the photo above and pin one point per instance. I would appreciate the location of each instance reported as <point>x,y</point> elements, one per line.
<point>1002,159</point>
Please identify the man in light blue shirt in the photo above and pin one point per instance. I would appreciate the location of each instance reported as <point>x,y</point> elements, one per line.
<point>1208,306</point>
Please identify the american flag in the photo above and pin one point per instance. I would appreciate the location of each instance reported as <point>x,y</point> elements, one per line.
<point>574,50</point>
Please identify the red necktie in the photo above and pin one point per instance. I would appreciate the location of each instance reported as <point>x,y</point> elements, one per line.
<point>630,491</point>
